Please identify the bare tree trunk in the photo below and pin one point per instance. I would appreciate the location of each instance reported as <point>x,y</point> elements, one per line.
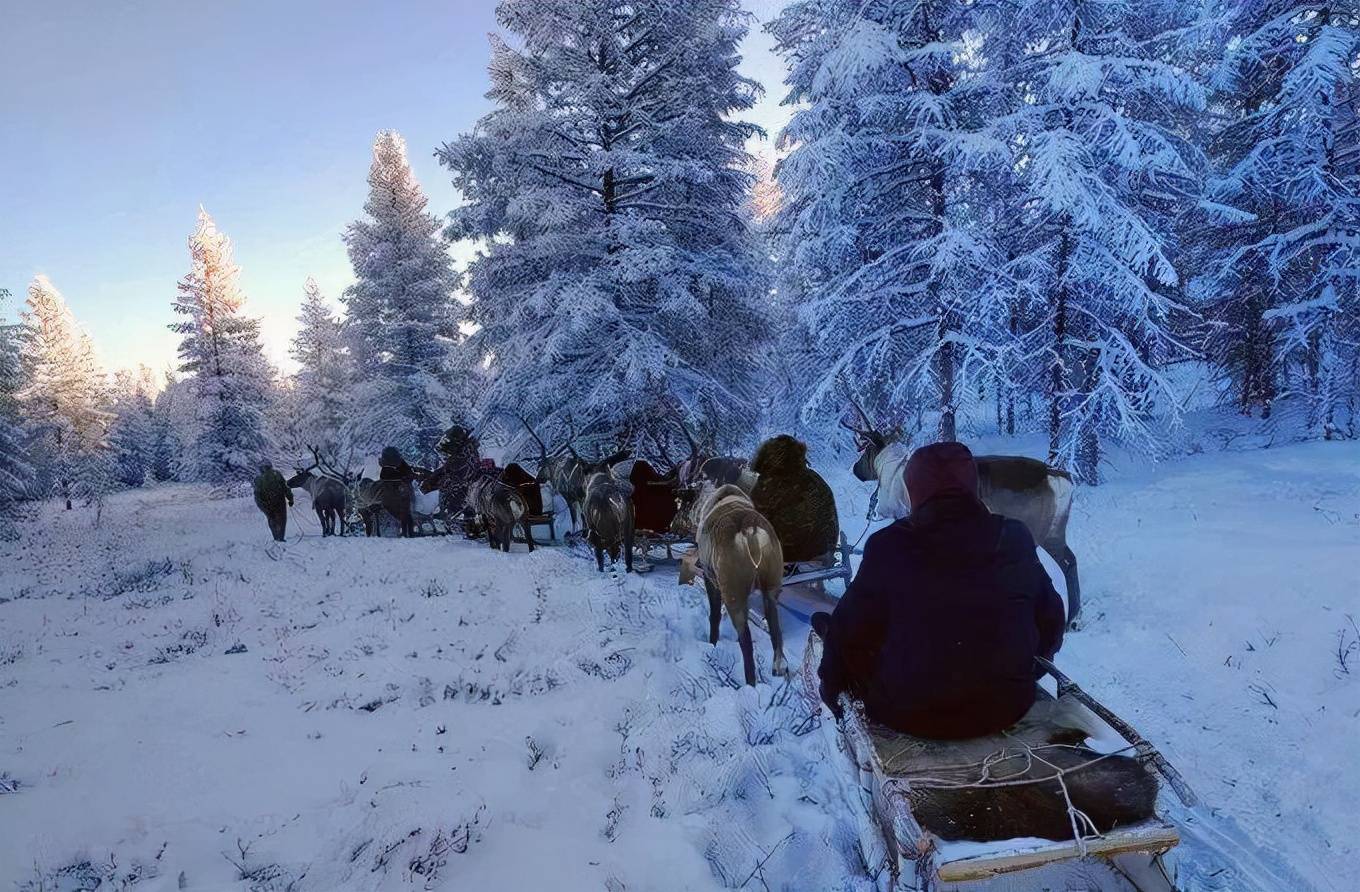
<point>1088,446</point>
<point>1056,372</point>
<point>948,420</point>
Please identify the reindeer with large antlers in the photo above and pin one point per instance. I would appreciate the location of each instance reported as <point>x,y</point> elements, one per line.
<point>1032,492</point>
<point>569,473</point>
<point>327,492</point>
<point>703,465</point>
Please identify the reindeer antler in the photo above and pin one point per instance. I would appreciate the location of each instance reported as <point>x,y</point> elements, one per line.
<point>671,464</point>
<point>694,450</point>
<point>571,438</point>
<point>325,467</point>
<point>862,434</point>
<point>542,449</point>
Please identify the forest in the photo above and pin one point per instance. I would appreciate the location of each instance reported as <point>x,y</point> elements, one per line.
<point>1091,223</point>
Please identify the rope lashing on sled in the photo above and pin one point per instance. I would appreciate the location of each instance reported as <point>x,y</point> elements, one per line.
<point>1083,827</point>
<point>1145,750</point>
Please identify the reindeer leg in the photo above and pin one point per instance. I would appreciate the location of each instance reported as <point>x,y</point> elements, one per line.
<point>528,534</point>
<point>628,548</point>
<point>1068,562</point>
<point>714,610</point>
<point>748,657</point>
<point>781,666</point>
<point>599,558</point>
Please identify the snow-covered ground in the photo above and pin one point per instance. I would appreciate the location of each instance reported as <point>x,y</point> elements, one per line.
<point>186,703</point>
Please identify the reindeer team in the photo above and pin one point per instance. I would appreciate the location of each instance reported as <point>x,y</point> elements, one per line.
<point>737,551</point>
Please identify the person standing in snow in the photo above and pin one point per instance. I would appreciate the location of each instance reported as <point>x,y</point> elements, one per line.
<point>274,498</point>
<point>938,632</point>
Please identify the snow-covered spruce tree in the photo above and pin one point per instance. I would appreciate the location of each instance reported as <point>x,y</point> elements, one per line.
<point>610,187</point>
<point>221,349</point>
<point>64,398</point>
<point>173,426</point>
<point>887,197</point>
<point>133,433</point>
<point>1099,113</point>
<point>320,398</point>
<point>15,471</point>
<point>402,318</point>
<point>793,350</point>
<point>1283,281</point>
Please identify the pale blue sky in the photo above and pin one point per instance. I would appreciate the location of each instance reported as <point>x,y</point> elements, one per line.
<point>119,117</point>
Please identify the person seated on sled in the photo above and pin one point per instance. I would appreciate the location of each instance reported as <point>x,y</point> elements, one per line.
<point>938,632</point>
<point>462,464</point>
<point>486,467</point>
<point>393,467</point>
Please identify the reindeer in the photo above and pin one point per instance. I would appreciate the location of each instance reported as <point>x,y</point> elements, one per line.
<point>396,497</point>
<point>568,474</point>
<point>372,497</point>
<point>501,508</point>
<point>738,553</point>
<point>1032,492</point>
<point>328,496</point>
<point>719,470</point>
<point>609,516</point>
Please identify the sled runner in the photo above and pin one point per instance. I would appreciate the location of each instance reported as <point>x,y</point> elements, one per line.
<point>907,786</point>
<point>804,574</point>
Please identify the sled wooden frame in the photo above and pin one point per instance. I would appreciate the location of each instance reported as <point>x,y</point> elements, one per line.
<point>841,569</point>
<point>1133,853</point>
<point>644,541</point>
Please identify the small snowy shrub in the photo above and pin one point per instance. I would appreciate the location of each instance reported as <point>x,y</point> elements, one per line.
<point>87,876</point>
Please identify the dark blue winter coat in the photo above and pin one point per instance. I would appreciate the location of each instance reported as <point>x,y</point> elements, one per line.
<point>938,632</point>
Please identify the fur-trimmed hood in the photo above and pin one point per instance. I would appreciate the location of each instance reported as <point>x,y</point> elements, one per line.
<point>780,455</point>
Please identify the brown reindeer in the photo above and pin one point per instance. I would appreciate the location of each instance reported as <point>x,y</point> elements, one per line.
<point>568,474</point>
<point>501,508</point>
<point>609,517</point>
<point>328,499</point>
<point>396,497</point>
<point>1032,492</point>
<point>738,554</point>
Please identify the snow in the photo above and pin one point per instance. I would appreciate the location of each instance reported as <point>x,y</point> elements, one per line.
<point>394,693</point>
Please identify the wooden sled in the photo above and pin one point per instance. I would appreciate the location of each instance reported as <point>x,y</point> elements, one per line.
<point>538,498</point>
<point>881,762</point>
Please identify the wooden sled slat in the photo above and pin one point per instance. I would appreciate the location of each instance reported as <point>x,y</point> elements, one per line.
<point>1151,837</point>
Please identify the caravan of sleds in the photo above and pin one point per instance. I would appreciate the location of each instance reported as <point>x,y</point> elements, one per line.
<point>933,808</point>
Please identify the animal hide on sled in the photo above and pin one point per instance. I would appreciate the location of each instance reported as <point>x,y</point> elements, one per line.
<point>967,789</point>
